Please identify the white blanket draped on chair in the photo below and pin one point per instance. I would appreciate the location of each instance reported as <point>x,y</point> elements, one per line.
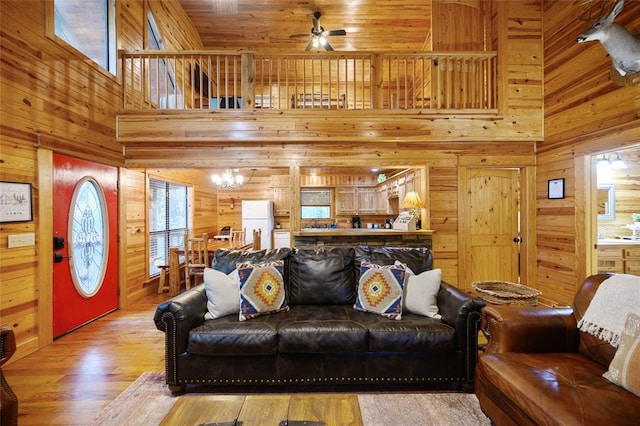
<point>614,300</point>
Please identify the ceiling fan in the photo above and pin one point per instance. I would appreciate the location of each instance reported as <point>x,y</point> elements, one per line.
<point>319,34</point>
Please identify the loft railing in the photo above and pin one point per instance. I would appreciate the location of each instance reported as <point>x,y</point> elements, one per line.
<point>196,80</point>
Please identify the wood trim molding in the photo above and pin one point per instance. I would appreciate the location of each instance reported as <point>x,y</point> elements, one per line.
<point>45,247</point>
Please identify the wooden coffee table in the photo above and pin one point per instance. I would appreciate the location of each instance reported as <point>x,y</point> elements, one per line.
<point>269,409</point>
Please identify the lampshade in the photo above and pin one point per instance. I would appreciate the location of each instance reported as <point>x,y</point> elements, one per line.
<point>412,201</point>
<point>618,163</point>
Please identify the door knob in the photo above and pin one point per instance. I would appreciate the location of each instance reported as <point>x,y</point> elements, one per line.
<point>58,257</point>
<point>517,239</point>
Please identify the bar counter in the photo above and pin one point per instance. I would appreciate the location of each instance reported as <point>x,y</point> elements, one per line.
<point>362,236</point>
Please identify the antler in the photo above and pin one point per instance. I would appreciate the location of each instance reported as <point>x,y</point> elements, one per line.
<point>600,10</point>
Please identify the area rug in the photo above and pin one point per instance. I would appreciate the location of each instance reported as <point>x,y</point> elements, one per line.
<point>147,401</point>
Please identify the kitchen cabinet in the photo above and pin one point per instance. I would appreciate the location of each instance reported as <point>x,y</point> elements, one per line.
<point>346,201</point>
<point>401,190</point>
<point>356,201</point>
<point>366,201</point>
<point>281,238</point>
<point>631,257</point>
<point>412,181</point>
<point>619,258</point>
<point>384,207</point>
<point>281,201</point>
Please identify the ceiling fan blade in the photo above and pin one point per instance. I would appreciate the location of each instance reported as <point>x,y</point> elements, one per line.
<point>327,46</point>
<point>309,46</point>
<point>337,33</point>
<point>299,35</point>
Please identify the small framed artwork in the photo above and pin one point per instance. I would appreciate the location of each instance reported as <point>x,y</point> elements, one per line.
<point>15,202</point>
<point>556,188</point>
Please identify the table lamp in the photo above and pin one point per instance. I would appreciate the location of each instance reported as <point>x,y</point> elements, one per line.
<point>413,202</point>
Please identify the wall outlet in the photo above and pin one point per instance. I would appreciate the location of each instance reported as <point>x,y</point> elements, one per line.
<point>22,240</point>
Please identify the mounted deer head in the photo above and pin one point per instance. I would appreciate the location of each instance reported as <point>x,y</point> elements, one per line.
<point>623,47</point>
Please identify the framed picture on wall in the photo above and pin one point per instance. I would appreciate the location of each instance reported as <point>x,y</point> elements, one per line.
<point>556,188</point>
<point>15,202</point>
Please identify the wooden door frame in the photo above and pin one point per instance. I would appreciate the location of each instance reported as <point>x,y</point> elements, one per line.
<point>527,221</point>
<point>45,247</point>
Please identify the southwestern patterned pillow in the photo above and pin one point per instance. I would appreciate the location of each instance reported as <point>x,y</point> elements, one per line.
<point>380,290</point>
<point>624,369</point>
<point>261,289</point>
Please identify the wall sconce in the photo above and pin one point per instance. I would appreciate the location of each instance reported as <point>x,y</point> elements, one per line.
<point>618,163</point>
<point>605,163</point>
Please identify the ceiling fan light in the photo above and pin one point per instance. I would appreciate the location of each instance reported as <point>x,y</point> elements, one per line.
<point>322,40</point>
<point>316,42</point>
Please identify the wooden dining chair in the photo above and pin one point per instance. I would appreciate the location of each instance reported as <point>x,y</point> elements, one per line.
<point>257,235</point>
<point>238,238</point>
<point>196,256</point>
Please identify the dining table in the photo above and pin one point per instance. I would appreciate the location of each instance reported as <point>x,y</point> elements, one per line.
<point>176,261</point>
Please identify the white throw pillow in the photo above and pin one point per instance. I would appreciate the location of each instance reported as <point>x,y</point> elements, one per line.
<point>223,294</point>
<point>421,292</point>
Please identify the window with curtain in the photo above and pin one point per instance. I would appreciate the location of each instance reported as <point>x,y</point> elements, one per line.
<point>315,204</point>
<point>168,220</point>
<point>89,26</point>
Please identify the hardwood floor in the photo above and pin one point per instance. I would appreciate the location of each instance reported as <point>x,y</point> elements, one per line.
<point>70,381</point>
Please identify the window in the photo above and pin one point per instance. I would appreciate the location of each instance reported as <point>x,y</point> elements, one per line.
<point>90,27</point>
<point>315,204</point>
<point>168,220</point>
<point>161,76</point>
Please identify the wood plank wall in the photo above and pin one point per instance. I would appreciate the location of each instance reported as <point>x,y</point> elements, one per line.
<point>585,113</point>
<point>54,99</point>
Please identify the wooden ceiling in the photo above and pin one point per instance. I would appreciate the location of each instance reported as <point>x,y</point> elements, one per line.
<point>265,25</point>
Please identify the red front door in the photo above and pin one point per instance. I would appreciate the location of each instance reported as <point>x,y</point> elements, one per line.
<point>85,269</point>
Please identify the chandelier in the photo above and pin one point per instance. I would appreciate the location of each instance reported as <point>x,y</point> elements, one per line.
<point>228,180</point>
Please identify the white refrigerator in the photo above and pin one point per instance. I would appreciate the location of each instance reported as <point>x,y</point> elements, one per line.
<point>258,214</point>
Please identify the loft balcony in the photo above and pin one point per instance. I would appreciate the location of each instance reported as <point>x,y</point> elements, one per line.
<point>180,106</point>
<point>432,82</point>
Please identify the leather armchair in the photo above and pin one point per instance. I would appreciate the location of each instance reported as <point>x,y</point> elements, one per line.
<point>9,400</point>
<point>539,368</point>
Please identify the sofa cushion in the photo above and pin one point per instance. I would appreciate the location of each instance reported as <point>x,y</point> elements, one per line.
<point>322,276</point>
<point>418,259</point>
<point>222,293</point>
<point>228,336</point>
<point>553,388</point>
<point>415,333</point>
<point>322,329</point>
<point>226,260</point>
<point>380,290</point>
<point>261,289</point>
<point>421,292</point>
<point>624,370</point>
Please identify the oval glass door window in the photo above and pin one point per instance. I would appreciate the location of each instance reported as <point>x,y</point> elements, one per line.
<point>88,230</point>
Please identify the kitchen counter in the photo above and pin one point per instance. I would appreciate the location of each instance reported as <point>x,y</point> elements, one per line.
<point>359,231</point>
<point>617,242</point>
<point>362,236</point>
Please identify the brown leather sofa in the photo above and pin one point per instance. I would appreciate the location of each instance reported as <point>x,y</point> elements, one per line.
<point>539,368</point>
<point>322,339</point>
<point>9,400</point>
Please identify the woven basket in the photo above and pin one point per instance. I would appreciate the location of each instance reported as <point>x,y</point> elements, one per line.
<point>506,293</point>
